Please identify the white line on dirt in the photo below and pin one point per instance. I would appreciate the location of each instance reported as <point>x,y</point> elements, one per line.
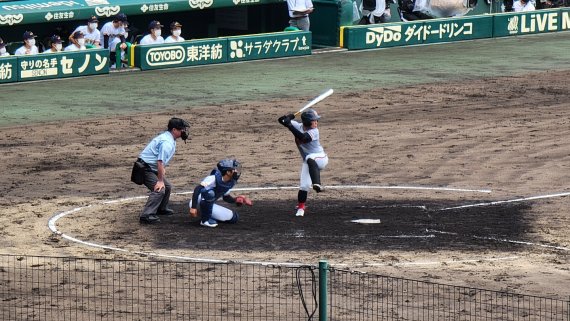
<point>555,247</point>
<point>433,262</point>
<point>507,201</point>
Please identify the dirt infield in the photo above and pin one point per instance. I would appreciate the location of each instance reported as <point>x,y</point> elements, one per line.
<point>507,135</point>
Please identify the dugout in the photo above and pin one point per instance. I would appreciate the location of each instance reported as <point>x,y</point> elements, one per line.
<point>200,18</point>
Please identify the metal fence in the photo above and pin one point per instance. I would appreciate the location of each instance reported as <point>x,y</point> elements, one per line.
<point>360,296</point>
<point>50,288</point>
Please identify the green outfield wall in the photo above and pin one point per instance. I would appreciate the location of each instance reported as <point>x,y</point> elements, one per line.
<point>454,29</point>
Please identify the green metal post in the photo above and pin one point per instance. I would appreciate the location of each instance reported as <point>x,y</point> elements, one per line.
<point>323,269</point>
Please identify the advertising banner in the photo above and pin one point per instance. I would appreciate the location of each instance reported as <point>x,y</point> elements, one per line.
<point>413,33</point>
<point>62,65</point>
<point>270,45</point>
<point>540,21</point>
<point>8,69</point>
<point>220,50</point>
<point>382,35</point>
<point>181,54</point>
<point>444,30</point>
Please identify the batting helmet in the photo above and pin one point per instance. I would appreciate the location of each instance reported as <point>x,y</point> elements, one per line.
<point>308,116</point>
<point>230,164</point>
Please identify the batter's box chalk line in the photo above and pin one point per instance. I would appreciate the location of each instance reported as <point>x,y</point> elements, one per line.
<point>52,225</point>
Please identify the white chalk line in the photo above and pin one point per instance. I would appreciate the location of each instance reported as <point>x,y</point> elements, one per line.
<point>420,263</point>
<point>507,201</point>
<point>488,238</point>
<point>52,224</point>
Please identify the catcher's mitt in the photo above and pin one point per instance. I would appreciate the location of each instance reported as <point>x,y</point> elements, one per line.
<point>241,199</point>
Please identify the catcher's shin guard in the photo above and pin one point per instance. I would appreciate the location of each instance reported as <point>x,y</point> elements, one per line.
<point>315,174</point>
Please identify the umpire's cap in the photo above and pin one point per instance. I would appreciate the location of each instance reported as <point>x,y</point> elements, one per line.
<point>177,123</point>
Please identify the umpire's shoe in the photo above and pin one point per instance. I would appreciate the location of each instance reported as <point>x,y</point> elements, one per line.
<point>151,219</point>
<point>165,212</point>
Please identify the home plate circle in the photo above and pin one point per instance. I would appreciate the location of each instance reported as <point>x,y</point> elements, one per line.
<point>366,221</point>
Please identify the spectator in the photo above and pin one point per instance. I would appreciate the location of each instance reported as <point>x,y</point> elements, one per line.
<point>175,31</point>
<point>154,158</point>
<point>154,37</point>
<point>55,44</point>
<point>299,11</point>
<point>375,11</point>
<point>523,5</point>
<point>29,47</point>
<point>111,31</point>
<point>76,42</point>
<point>3,52</point>
<point>123,47</point>
<point>91,33</point>
<point>215,186</point>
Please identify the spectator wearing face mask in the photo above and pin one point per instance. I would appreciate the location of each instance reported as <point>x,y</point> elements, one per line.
<point>77,42</point>
<point>29,47</point>
<point>55,44</point>
<point>175,31</point>
<point>3,52</point>
<point>90,32</point>
<point>154,37</point>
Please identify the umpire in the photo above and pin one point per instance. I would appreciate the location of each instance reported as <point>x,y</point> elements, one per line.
<point>154,159</point>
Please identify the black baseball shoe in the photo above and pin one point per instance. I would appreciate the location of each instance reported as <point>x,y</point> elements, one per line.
<point>165,212</point>
<point>151,219</point>
<point>318,188</point>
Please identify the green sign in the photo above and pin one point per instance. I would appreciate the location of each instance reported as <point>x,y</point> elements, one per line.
<point>270,45</point>
<point>181,54</point>
<point>383,35</point>
<point>540,21</point>
<point>37,11</point>
<point>564,19</point>
<point>220,50</point>
<point>444,30</point>
<point>413,33</point>
<point>8,69</point>
<point>62,65</point>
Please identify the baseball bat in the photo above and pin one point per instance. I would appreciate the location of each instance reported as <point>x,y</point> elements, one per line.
<point>319,98</point>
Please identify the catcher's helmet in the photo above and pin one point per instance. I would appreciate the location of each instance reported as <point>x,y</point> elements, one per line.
<point>308,116</point>
<point>229,164</point>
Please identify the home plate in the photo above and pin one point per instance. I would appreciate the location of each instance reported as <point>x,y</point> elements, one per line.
<point>366,221</point>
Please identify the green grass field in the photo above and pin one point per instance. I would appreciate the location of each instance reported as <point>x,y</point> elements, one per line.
<point>173,89</point>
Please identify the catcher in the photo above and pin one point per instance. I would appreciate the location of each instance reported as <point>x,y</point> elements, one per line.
<point>218,185</point>
<point>313,155</point>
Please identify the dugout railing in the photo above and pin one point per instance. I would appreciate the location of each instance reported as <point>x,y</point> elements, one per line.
<point>62,288</point>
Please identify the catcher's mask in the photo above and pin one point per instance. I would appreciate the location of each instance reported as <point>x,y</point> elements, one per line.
<point>181,125</point>
<point>308,116</point>
<point>230,164</point>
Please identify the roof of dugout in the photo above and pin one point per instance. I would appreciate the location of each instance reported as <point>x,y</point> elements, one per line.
<point>18,12</point>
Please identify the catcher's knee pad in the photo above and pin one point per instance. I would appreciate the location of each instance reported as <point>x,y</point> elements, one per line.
<point>209,196</point>
<point>235,218</point>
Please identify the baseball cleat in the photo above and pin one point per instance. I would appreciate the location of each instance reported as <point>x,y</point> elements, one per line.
<point>209,223</point>
<point>318,188</point>
<point>300,212</point>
